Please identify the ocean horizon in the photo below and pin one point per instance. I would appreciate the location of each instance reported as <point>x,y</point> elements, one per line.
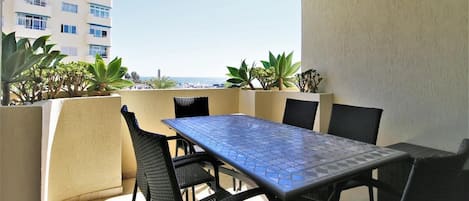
<point>193,81</point>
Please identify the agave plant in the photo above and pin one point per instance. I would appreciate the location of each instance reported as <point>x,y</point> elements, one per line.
<point>284,70</point>
<point>107,77</point>
<point>18,56</point>
<point>242,76</point>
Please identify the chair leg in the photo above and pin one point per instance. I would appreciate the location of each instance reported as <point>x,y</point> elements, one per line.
<point>177,147</point>
<point>187,194</point>
<point>185,148</point>
<point>193,193</point>
<point>370,193</point>
<point>234,183</point>
<point>134,195</point>
<point>240,185</point>
<point>335,194</point>
<point>217,178</point>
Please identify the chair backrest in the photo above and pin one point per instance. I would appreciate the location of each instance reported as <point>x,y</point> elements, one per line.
<point>300,113</point>
<point>356,123</point>
<point>190,106</point>
<point>437,178</point>
<point>156,177</point>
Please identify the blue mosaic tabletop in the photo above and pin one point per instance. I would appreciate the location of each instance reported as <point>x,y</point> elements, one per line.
<point>286,160</point>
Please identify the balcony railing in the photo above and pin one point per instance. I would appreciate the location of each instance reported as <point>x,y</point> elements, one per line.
<point>42,3</point>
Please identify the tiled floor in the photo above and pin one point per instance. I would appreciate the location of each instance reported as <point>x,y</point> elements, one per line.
<point>201,192</point>
<point>357,194</point>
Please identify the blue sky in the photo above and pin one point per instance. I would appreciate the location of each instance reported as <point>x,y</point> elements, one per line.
<point>199,38</point>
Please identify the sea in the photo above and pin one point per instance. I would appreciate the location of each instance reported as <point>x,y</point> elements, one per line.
<point>195,82</point>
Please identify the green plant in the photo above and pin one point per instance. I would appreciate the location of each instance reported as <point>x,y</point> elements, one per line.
<point>32,89</point>
<point>241,76</point>
<point>76,78</point>
<point>162,83</point>
<point>71,79</point>
<point>265,76</point>
<point>54,78</point>
<point>107,77</point>
<point>309,81</point>
<point>18,56</point>
<point>283,68</point>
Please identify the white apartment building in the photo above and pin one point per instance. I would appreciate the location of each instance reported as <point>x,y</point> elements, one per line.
<point>79,28</point>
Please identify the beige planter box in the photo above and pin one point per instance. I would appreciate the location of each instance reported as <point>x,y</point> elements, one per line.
<point>61,149</point>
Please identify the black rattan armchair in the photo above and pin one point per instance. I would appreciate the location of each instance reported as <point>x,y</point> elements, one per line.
<point>157,174</point>
<point>438,178</point>
<point>189,107</point>
<point>187,168</point>
<point>356,123</point>
<point>300,113</point>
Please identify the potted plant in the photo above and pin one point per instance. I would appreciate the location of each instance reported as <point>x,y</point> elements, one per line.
<point>107,78</point>
<point>309,81</point>
<point>284,69</point>
<point>17,57</point>
<point>265,76</point>
<point>34,87</point>
<point>241,76</point>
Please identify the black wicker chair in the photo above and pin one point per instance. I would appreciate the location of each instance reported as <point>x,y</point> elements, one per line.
<point>188,170</point>
<point>438,178</point>
<point>189,107</point>
<point>157,173</point>
<point>300,113</point>
<point>356,123</point>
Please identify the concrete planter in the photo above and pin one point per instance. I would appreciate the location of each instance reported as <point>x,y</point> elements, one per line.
<point>61,149</point>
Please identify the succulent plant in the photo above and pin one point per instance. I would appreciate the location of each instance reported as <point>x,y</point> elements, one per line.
<point>107,77</point>
<point>265,76</point>
<point>283,68</point>
<point>241,76</point>
<point>309,81</point>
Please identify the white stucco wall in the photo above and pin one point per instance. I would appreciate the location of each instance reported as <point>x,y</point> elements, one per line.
<point>408,57</point>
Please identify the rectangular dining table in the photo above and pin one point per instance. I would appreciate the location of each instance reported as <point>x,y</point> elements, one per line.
<point>285,160</point>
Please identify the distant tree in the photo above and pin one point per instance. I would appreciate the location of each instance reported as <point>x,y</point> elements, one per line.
<point>162,83</point>
<point>135,77</point>
<point>127,76</point>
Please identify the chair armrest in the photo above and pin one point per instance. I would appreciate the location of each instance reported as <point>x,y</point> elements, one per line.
<point>194,158</point>
<point>245,195</point>
<point>174,137</point>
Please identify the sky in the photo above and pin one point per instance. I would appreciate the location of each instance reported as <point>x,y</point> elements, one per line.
<point>199,38</point>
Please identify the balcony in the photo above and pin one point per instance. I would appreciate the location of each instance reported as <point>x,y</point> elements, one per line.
<point>102,2</point>
<point>22,6</point>
<point>92,131</point>
<point>395,61</point>
<point>23,32</point>
<point>104,41</point>
<point>99,20</point>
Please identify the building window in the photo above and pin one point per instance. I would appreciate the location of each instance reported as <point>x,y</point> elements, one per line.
<point>30,21</point>
<point>68,7</point>
<point>65,28</point>
<point>42,3</point>
<point>70,51</point>
<point>99,10</point>
<point>99,30</point>
<point>98,49</point>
